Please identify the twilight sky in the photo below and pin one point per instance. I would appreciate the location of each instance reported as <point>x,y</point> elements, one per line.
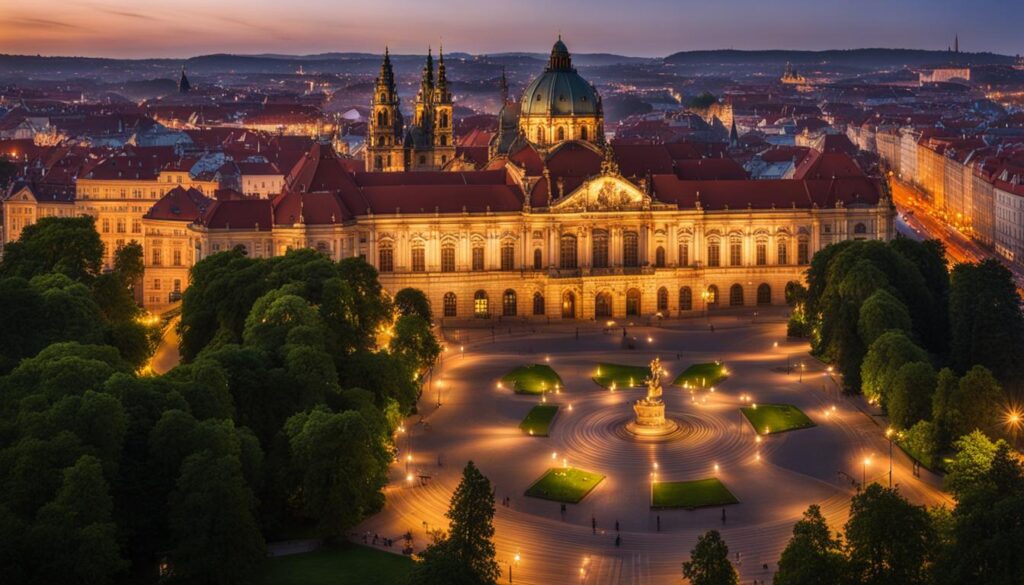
<point>183,28</point>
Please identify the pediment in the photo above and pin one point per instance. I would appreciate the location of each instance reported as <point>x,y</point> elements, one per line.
<point>603,193</point>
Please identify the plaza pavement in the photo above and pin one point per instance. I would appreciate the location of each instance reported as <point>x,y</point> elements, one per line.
<point>478,421</point>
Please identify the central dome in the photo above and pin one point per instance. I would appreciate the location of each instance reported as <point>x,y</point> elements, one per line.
<point>560,91</point>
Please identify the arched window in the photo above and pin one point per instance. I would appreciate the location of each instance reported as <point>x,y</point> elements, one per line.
<point>583,133</point>
<point>783,251</point>
<point>561,133</point>
<point>538,259</point>
<point>659,257</point>
<point>382,118</point>
<point>442,140</point>
<point>603,305</point>
<point>630,249</point>
<point>480,308</point>
<point>449,305</point>
<point>444,120</point>
<point>378,162</point>
<point>713,252</point>
<point>685,299</point>
<point>538,303</point>
<point>712,296</point>
<point>684,254</point>
<point>802,251</point>
<point>633,302</point>
<point>508,303</point>
<point>568,305</point>
<point>764,294</point>
<point>736,295</point>
<point>599,245</point>
<point>540,135</point>
<point>386,257</point>
<point>860,229</point>
<point>663,300</point>
<point>567,252</point>
<point>448,258</point>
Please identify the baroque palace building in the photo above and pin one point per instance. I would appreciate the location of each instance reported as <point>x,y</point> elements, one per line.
<point>558,224</point>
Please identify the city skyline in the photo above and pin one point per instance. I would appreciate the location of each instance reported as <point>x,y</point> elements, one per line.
<point>659,27</point>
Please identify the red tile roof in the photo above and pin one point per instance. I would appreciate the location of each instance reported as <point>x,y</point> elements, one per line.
<point>179,204</point>
<point>242,214</point>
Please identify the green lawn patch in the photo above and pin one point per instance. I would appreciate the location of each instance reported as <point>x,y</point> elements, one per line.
<point>533,379</point>
<point>622,376</point>
<point>561,484</point>
<point>538,420</point>
<point>348,565</point>
<point>701,376</point>
<point>691,494</point>
<point>768,419</point>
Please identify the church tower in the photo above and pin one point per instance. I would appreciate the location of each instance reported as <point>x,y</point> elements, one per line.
<point>384,130</point>
<point>443,138</point>
<point>183,85</point>
<point>425,96</point>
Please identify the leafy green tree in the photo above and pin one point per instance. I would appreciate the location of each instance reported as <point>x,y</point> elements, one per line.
<point>888,539</point>
<point>944,415</point>
<point>25,323</point>
<point>974,454</point>
<point>74,538</point>
<point>889,352</point>
<point>386,377</point>
<point>340,462</point>
<point>66,245</point>
<point>709,562</point>
<point>796,293</point>
<point>880,312</point>
<point>920,441</point>
<point>929,257</point>
<point>215,535</point>
<point>976,404</point>
<point>910,394</point>
<point>989,532</point>
<point>702,101</point>
<point>465,555</point>
<point>129,264</point>
<point>413,301</point>
<point>274,315</point>
<point>415,342</point>
<point>813,556</point>
<point>986,323</point>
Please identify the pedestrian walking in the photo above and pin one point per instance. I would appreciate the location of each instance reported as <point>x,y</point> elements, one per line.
<point>618,541</point>
<point>616,526</point>
<point>659,522</point>
<point>593,524</point>
<point>723,515</point>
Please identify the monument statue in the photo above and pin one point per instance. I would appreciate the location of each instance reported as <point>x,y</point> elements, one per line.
<point>650,418</point>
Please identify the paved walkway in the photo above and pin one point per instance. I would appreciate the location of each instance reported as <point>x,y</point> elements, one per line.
<point>478,421</point>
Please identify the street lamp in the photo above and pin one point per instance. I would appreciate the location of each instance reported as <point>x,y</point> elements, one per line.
<point>864,473</point>
<point>802,366</point>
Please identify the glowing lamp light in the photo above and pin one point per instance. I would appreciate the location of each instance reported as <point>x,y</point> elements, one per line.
<point>517,557</point>
<point>758,439</point>
<point>775,344</point>
<point>531,432</point>
<point>755,406</point>
<point>408,457</point>
<point>570,408</point>
<point>547,358</point>
<point>554,455</point>
<point>500,386</point>
<point>716,468</point>
<point>408,477</point>
<point>649,340</point>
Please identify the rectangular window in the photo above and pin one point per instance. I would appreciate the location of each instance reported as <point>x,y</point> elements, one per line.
<point>478,258</point>
<point>735,254</point>
<point>713,259</point>
<point>156,284</point>
<point>762,253</point>
<point>630,249</point>
<point>448,259</point>
<point>106,225</point>
<point>157,259</point>
<point>600,250</point>
<point>176,257</point>
<point>802,255</point>
<point>418,262</point>
<point>783,253</point>
<point>508,257</point>
<point>684,254</point>
<point>136,226</point>
<point>120,225</point>
<point>387,260</point>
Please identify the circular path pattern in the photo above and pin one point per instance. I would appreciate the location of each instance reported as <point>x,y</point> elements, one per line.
<point>775,479</point>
